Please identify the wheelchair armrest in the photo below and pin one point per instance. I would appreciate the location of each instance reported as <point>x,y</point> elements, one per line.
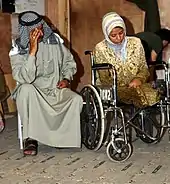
<point>87,52</point>
<point>157,63</point>
<point>102,66</point>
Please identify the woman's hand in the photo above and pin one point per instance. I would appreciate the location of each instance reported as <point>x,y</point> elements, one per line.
<point>63,84</point>
<point>35,34</point>
<point>135,83</point>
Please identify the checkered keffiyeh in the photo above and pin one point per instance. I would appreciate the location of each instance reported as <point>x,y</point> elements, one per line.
<point>28,21</point>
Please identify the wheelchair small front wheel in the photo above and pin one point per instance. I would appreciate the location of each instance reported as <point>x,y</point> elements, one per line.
<point>120,152</point>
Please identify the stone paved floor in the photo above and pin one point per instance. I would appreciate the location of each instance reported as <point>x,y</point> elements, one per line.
<point>149,164</point>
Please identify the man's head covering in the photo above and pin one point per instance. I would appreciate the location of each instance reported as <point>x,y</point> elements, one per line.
<point>28,21</point>
<point>112,20</point>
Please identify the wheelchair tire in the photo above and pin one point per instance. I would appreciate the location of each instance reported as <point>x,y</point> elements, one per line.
<point>118,151</point>
<point>92,118</point>
<point>153,126</point>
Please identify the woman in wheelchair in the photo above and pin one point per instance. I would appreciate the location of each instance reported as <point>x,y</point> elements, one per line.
<point>126,55</point>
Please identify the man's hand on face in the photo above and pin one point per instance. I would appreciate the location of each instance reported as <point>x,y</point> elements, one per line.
<point>63,84</point>
<point>35,34</point>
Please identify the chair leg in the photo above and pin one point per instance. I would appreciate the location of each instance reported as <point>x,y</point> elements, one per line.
<point>20,134</point>
<point>2,122</point>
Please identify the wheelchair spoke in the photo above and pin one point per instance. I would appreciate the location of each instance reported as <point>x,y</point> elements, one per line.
<point>149,125</point>
<point>120,151</point>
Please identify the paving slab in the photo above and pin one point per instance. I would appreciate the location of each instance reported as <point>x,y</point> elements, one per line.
<point>149,164</point>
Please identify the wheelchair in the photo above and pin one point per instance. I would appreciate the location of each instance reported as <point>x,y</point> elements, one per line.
<point>105,121</point>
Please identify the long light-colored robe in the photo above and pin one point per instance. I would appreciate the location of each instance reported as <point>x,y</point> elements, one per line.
<point>133,67</point>
<point>49,115</point>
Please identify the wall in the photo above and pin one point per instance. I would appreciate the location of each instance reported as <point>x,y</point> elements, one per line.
<point>5,46</point>
<point>5,40</point>
<point>58,12</point>
<point>165,21</point>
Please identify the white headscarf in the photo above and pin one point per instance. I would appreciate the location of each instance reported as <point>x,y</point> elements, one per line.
<point>110,21</point>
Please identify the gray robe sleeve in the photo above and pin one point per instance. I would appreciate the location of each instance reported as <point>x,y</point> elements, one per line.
<point>68,66</point>
<point>23,68</point>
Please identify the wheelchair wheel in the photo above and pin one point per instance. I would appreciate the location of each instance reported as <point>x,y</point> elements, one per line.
<point>92,118</point>
<point>118,151</point>
<point>153,121</point>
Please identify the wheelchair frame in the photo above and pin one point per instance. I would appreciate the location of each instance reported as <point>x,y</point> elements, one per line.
<point>118,149</point>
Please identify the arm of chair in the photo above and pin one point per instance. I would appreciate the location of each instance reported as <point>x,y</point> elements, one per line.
<point>102,66</point>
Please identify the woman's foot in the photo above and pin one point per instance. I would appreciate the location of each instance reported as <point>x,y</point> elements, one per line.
<point>30,147</point>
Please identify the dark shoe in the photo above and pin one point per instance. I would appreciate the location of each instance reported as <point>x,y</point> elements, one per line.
<point>30,147</point>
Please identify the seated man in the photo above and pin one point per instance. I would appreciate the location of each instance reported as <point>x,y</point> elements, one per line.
<point>127,56</point>
<point>43,68</point>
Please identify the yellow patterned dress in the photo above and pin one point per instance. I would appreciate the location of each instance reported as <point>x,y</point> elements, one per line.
<point>133,67</point>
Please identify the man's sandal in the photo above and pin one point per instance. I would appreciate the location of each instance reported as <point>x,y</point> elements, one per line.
<point>30,147</point>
